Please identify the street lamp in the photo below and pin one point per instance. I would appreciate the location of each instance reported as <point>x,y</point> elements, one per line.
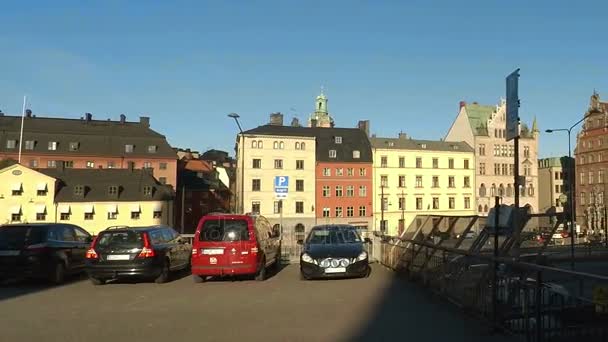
<point>571,185</point>
<point>236,117</point>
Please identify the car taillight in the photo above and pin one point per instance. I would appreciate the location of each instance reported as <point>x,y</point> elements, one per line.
<point>147,251</point>
<point>39,247</point>
<point>91,254</point>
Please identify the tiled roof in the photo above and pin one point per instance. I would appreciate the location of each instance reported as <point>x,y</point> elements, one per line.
<point>422,145</point>
<point>94,137</point>
<point>97,182</point>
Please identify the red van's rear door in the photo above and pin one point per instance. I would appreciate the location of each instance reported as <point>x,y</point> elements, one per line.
<point>225,241</point>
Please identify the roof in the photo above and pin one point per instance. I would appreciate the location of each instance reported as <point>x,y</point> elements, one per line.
<point>422,145</point>
<point>94,137</point>
<point>97,182</point>
<point>553,162</point>
<point>199,165</point>
<point>478,117</point>
<point>277,130</point>
<point>205,182</point>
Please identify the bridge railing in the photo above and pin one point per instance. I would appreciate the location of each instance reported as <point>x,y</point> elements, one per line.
<point>535,301</point>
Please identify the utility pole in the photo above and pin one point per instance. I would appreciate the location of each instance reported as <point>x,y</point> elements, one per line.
<point>513,131</point>
<point>382,227</point>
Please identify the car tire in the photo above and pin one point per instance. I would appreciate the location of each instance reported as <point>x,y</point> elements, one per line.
<point>261,275</point>
<point>163,277</point>
<point>58,275</point>
<point>97,281</point>
<point>198,279</point>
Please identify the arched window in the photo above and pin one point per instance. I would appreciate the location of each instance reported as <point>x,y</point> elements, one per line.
<point>482,190</point>
<point>522,191</point>
<point>275,145</point>
<point>303,146</point>
<point>297,145</point>
<point>485,208</point>
<point>254,144</point>
<point>531,190</point>
<point>509,191</point>
<point>591,158</point>
<point>281,145</point>
<point>480,208</point>
<point>501,190</point>
<point>300,231</point>
<point>493,190</point>
<point>260,144</point>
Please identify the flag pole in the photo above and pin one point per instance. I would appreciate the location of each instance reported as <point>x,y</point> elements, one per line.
<point>21,134</point>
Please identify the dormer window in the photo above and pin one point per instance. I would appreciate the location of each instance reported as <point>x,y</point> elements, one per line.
<point>11,144</point>
<point>391,144</point>
<point>152,149</point>
<point>148,191</point>
<point>129,148</point>
<point>29,144</point>
<point>79,190</point>
<point>332,154</point>
<point>74,146</point>
<point>113,190</point>
<point>338,140</point>
<point>52,146</point>
<point>356,154</point>
<point>423,146</point>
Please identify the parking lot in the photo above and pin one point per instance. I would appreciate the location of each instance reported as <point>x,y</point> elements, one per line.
<point>283,308</point>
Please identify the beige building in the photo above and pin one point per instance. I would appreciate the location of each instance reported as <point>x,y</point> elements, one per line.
<point>91,199</point>
<point>484,128</point>
<point>420,177</point>
<point>272,151</point>
<point>553,184</point>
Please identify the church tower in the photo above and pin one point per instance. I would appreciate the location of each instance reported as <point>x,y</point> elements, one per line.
<point>320,117</point>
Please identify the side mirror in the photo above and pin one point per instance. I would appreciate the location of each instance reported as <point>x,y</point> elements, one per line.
<point>300,242</point>
<point>367,240</point>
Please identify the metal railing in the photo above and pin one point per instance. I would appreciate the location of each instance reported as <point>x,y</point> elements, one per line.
<point>540,303</point>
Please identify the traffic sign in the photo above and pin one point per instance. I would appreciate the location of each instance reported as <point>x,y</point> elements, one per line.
<point>281,186</point>
<point>512,105</point>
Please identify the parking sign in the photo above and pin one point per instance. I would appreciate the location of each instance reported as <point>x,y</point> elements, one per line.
<point>281,186</point>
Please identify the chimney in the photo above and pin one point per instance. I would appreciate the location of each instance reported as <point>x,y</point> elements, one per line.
<point>28,113</point>
<point>402,136</point>
<point>144,121</point>
<point>276,119</point>
<point>364,126</point>
<point>295,122</point>
<point>123,118</point>
<point>88,116</point>
<point>462,104</point>
<point>313,123</point>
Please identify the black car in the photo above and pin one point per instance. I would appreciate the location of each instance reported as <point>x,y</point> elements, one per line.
<point>43,250</point>
<point>334,251</point>
<point>137,252</point>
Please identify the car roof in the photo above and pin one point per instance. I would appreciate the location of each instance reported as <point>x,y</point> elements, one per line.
<point>335,226</point>
<point>139,228</point>
<point>40,224</point>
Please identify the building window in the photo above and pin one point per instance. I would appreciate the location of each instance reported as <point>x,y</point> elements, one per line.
<point>129,148</point>
<point>325,212</point>
<point>299,185</point>
<point>18,191</point>
<point>162,166</point>
<point>278,163</point>
<point>327,172</point>
<point>299,165</point>
<point>90,165</point>
<point>255,207</point>
<point>493,190</point>
<point>583,198</point>
<point>482,168</point>
<point>402,162</point>
<point>68,164</point>
<point>466,164</point>
<point>482,190</point>
<point>111,165</point>
<point>504,169</point>
<point>275,145</point>
<point>157,214</point>
<point>41,192</point>
<point>362,211</point>
<point>299,207</point>
<point>356,154</point>
<point>339,171</point>
<point>383,181</point>
<point>162,180</point>
<point>350,191</point>
<point>497,169</point>
<point>530,190</point>
<point>64,217</point>
<point>281,145</point>
<point>527,151</point>
<point>383,161</point>
<point>278,207</point>
<point>16,217</point>
<point>467,181</point>
<point>79,190</point>
<point>74,146</point>
<point>527,170</point>
<point>338,190</point>
<point>511,169</point>
<point>256,163</point>
<point>582,174</point>
<point>297,145</point>
<point>401,181</point>
<point>591,177</point>
<point>40,216</point>
<point>29,144</point>
<point>600,176</point>
<point>350,172</point>
<point>332,153</point>
<point>326,191</point>
<point>435,202</point>
<point>338,140</point>
<point>88,216</point>
<point>482,149</point>
<point>496,150</point>
<point>52,146</point>
<point>467,203</point>
<point>383,225</point>
<point>113,215</point>
<point>362,191</point>
<point>362,172</point>
<point>435,181</point>
<point>350,211</point>
<point>435,163</point>
<point>112,190</point>
<point>260,144</point>
<point>338,211</point>
<point>419,181</point>
<point>147,191</point>
<point>401,203</point>
<point>254,144</point>
<point>418,203</point>
<point>256,184</point>
<point>33,163</point>
<point>302,146</point>
<point>451,182</point>
<point>152,148</point>
<point>419,163</point>
<point>384,203</point>
<point>451,163</point>
<point>451,203</point>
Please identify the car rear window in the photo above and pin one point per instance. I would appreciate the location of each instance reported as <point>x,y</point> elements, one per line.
<point>123,239</point>
<point>224,230</point>
<point>16,237</point>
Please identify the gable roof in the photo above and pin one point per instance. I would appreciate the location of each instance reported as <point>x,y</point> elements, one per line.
<point>131,184</point>
<point>414,144</point>
<point>478,117</point>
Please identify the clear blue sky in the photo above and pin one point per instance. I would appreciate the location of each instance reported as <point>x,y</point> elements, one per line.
<point>403,64</point>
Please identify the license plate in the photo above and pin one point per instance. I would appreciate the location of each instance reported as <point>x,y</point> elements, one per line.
<point>9,253</point>
<point>215,251</point>
<point>119,257</point>
<point>335,270</point>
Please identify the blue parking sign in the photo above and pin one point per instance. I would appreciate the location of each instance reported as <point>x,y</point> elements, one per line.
<point>281,186</point>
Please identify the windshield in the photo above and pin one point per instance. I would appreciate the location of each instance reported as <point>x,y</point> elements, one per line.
<point>16,237</point>
<point>224,230</point>
<point>122,239</point>
<point>333,236</point>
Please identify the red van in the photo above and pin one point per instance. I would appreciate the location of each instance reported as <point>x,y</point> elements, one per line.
<point>230,244</point>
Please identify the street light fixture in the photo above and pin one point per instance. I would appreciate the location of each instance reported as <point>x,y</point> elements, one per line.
<point>236,117</point>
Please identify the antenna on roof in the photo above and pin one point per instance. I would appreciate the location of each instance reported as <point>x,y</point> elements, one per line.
<point>22,122</point>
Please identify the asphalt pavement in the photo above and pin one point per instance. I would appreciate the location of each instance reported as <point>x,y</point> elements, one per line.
<point>382,307</point>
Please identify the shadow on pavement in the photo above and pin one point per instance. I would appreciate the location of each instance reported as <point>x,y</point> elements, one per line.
<point>16,288</point>
<point>271,272</point>
<point>405,311</point>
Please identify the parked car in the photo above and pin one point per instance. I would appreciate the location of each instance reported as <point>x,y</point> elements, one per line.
<point>334,251</point>
<point>137,252</point>
<point>42,250</point>
<point>230,245</point>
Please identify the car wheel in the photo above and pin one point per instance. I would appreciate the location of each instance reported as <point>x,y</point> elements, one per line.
<point>261,275</point>
<point>163,277</point>
<point>97,281</point>
<point>58,275</point>
<point>198,279</point>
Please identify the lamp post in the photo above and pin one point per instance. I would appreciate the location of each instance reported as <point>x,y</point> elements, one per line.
<point>236,117</point>
<point>571,185</point>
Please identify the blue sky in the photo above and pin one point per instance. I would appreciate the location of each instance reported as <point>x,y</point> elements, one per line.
<point>404,65</point>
